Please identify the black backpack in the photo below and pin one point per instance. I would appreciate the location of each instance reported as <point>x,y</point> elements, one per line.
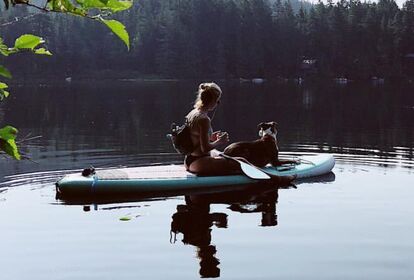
<point>181,138</point>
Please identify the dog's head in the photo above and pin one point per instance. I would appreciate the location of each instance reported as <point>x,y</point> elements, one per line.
<point>267,128</point>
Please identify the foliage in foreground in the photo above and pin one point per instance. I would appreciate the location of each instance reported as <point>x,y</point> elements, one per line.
<point>99,10</point>
<point>25,42</point>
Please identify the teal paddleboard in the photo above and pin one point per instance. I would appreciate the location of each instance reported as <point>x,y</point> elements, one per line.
<point>175,177</point>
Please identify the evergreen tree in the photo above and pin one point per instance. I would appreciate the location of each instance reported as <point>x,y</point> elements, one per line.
<point>228,39</point>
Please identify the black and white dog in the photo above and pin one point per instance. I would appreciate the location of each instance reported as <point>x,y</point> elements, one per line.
<point>261,151</point>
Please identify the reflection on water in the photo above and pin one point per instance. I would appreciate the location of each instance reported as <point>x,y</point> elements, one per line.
<point>194,219</point>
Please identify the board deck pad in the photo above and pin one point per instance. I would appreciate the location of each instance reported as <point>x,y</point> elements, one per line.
<point>146,172</point>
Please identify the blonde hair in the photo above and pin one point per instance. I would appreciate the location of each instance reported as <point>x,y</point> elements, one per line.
<point>207,94</point>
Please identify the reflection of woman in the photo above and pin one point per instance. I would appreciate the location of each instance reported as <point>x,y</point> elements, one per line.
<point>195,222</point>
<point>204,139</point>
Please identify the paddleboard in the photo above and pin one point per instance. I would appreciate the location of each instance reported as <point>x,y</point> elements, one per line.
<point>175,177</point>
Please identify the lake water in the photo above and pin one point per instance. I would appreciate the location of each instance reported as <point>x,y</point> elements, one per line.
<point>356,223</point>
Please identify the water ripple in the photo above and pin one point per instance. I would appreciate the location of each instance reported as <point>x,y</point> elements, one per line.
<point>394,157</point>
<point>35,179</point>
<point>399,157</point>
<point>101,159</point>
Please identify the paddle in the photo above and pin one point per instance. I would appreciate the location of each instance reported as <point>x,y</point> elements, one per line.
<point>249,170</point>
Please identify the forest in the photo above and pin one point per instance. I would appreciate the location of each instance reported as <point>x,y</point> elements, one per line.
<point>223,39</point>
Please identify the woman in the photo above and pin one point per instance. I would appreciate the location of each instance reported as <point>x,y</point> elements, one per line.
<point>205,140</point>
<point>200,161</point>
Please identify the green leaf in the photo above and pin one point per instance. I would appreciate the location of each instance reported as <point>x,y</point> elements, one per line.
<point>88,4</point>
<point>117,6</point>
<point>3,85</point>
<point>5,50</point>
<point>125,218</point>
<point>66,6</point>
<point>118,29</point>
<point>8,133</point>
<point>7,144</point>
<point>28,41</point>
<point>42,51</point>
<point>10,148</point>
<point>8,51</point>
<point>113,5</point>
<point>3,94</point>
<point>4,72</point>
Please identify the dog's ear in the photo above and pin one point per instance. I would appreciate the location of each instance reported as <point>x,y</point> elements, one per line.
<point>275,124</point>
<point>260,125</point>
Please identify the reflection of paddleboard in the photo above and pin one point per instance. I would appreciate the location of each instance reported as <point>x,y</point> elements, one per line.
<point>175,177</point>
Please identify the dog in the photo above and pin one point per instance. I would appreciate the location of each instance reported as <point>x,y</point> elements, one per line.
<point>261,151</point>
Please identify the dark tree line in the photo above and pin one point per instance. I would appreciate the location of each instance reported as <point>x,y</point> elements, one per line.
<point>229,39</point>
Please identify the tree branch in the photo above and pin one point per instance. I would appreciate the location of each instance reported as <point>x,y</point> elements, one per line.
<point>17,19</point>
<point>44,9</point>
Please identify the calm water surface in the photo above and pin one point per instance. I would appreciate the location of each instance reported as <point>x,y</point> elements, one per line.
<point>356,223</point>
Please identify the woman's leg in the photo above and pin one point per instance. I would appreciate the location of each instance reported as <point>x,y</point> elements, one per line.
<point>221,166</point>
<point>214,166</point>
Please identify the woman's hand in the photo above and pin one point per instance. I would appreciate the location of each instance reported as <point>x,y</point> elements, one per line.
<point>222,138</point>
<point>214,136</point>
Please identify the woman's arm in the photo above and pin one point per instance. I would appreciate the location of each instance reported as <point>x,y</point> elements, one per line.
<point>205,144</point>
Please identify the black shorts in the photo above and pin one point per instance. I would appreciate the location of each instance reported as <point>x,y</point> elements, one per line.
<point>189,159</point>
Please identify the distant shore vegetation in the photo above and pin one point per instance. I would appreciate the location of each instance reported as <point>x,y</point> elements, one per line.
<point>225,39</point>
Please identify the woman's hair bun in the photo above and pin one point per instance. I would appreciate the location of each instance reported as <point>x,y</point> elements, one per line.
<point>204,86</point>
<point>207,92</point>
